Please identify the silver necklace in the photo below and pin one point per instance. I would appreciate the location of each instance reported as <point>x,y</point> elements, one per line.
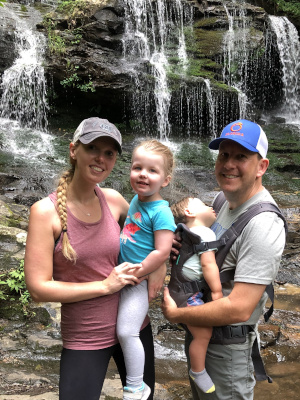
<point>84,212</point>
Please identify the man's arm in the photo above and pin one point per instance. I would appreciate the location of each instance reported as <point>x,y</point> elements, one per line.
<point>235,308</point>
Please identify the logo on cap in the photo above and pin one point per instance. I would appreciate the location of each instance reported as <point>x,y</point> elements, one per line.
<point>236,127</point>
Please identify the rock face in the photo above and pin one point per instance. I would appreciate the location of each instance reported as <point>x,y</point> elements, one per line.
<point>92,57</point>
<point>88,72</point>
<point>7,40</point>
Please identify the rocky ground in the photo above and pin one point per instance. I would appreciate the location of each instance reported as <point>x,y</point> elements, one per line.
<point>30,347</point>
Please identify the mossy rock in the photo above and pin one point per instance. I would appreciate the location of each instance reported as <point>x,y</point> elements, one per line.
<point>11,309</point>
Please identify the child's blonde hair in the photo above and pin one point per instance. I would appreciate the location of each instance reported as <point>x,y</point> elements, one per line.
<point>159,148</point>
<point>178,209</point>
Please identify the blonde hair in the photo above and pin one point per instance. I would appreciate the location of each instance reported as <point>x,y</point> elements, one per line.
<point>178,209</point>
<point>158,148</point>
<point>61,193</point>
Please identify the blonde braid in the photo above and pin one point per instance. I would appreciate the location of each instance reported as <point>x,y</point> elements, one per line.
<point>61,192</point>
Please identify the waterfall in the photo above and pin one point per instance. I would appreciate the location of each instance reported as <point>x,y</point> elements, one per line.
<point>211,106</point>
<point>23,85</point>
<point>289,51</point>
<point>148,27</point>
<point>200,110</point>
<point>235,53</point>
<point>25,142</point>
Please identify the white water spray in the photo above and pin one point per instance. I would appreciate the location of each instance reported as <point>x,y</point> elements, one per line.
<point>146,33</point>
<point>23,84</point>
<point>289,52</point>
<point>235,71</point>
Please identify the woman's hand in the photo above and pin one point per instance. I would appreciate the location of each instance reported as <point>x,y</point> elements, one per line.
<point>122,275</point>
<point>156,281</point>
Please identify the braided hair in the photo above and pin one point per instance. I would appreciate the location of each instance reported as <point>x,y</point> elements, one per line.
<point>61,193</point>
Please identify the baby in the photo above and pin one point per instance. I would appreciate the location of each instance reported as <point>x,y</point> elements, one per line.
<point>198,218</point>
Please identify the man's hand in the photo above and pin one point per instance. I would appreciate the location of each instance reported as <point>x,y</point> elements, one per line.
<point>169,307</point>
<point>176,244</point>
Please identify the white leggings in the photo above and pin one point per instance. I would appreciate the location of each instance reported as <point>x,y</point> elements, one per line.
<point>133,308</point>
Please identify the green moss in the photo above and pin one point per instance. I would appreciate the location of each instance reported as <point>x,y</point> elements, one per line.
<point>205,42</point>
<point>206,22</point>
<point>193,154</point>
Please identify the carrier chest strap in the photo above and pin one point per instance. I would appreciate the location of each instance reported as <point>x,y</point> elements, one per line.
<point>237,227</point>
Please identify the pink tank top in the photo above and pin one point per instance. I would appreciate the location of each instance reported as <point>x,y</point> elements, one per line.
<point>89,324</point>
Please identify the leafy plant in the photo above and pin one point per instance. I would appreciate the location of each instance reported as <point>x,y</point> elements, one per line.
<point>74,81</point>
<point>14,284</point>
<point>1,3</point>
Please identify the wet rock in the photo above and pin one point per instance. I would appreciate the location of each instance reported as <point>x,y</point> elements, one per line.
<point>7,40</point>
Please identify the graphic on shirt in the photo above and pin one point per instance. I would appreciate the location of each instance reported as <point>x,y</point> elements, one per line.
<point>128,231</point>
<point>137,217</point>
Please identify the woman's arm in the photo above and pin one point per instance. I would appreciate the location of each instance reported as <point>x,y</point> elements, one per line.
<point>44,228</point>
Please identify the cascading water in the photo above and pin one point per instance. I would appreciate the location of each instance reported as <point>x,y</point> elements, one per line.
<point>147,29</point>
<point>23,85</point>
<point>289,51</point>
<point>235,53</point>
<point>24,140</point>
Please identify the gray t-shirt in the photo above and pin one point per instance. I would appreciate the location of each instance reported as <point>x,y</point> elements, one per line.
<point>256,253</point>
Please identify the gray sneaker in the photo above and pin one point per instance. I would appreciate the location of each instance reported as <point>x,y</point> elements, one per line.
<point>141,393</point>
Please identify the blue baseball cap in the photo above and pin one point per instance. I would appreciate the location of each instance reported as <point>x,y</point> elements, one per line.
<point>248,134</point>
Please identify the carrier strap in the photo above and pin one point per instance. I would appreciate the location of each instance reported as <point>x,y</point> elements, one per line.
<point>236,228</point>
<point>231,235</point>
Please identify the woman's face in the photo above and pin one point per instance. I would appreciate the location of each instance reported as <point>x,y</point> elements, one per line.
<point>95,160</point>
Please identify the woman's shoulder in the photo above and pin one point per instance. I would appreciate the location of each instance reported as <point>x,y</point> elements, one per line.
<point>117,204</point>
<point>111,194</point>
<point>44,207</point>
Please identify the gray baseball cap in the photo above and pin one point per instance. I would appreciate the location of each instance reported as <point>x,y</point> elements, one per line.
<point>93,128</point>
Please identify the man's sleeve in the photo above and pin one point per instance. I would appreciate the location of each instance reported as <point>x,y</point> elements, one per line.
<point>257,251</point>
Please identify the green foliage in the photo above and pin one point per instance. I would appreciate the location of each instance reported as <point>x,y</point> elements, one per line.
<point>15,286</point>
<point>56,43</point>
<point>287,7</point>
<point>71,6</point>
<point>77,33</point>
<point>74,81</point>
<point>1,3</point>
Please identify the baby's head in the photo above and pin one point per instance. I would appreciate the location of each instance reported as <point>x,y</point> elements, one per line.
<point>192,212</point>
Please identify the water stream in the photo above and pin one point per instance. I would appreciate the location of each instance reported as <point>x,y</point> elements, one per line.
<point>289,49</point>
<point>24,96</point>
<point>148,27</point>
<point>235,51</point>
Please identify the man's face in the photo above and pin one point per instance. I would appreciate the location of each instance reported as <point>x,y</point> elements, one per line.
<point>237,171</point>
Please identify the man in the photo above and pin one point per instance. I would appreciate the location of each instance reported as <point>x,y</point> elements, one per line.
<point>255,256</point>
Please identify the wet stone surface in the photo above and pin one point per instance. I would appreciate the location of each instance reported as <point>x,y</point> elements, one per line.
<point>30,348</point>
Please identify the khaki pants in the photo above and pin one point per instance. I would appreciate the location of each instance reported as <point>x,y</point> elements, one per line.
<point>231,371</point>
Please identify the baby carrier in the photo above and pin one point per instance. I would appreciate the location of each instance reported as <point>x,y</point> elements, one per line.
<point>181,289</point>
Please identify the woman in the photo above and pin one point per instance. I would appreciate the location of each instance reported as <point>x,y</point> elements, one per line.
<point>71,256</point>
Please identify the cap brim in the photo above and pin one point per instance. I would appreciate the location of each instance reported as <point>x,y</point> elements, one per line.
<point>89,137</point>
<point>215,144</point>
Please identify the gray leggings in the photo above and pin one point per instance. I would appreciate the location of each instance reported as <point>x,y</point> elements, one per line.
<point>133,308</point>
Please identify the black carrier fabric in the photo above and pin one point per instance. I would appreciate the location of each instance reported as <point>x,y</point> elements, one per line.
<point>181,289</point>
